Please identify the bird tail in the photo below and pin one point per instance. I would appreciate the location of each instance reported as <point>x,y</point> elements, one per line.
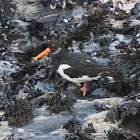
<point>111,72</point>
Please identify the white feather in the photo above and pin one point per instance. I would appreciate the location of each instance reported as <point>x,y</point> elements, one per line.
<point>88,60</point>
<point>86,78</point>
<point>79,80</point>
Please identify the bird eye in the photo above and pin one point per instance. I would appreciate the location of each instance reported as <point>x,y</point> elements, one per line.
<point>53,45</point>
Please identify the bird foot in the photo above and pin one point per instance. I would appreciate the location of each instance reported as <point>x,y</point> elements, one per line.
<point>83,89</point>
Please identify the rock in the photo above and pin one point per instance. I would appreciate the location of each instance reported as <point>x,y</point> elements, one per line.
<point>122,112</point>
<point>19,113</point>
<point>7,67</point>
<point>77,14</point>
<point>73,126</point>
<point>38,83</point>
<point>134,11</point>
<point>137,6</point>
<point>44,3</point>
<point>122,134</point>
<point>90,129</point>
<point>56,103</point>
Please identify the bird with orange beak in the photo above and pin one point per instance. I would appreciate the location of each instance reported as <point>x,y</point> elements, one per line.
<point>75,67</point>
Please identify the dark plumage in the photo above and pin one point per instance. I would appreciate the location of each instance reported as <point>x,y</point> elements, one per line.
<point>81,64</point>
<point>75,67</point>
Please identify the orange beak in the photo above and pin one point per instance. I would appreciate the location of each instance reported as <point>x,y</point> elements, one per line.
<point>42,53</point>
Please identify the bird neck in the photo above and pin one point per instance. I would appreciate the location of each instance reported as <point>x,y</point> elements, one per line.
<point>57,58</point>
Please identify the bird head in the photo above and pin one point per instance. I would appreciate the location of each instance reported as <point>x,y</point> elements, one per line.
<point>52,47</point>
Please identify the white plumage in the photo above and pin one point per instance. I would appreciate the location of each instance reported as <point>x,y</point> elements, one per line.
<point>78,80</point>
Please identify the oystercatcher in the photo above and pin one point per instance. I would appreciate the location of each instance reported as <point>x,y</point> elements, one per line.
<point>75,67</point>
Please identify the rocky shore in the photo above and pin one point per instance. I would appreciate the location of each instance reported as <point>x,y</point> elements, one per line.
<point>37,103</point>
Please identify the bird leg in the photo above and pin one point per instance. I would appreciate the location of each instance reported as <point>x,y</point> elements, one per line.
<point>84,88</point>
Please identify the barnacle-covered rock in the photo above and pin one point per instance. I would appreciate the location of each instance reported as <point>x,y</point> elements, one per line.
<point>19,113</point>
<point>123,112</point>
<point>121,134</point>
<point>119,87</point>
<point>136,9</point>
<point>58,102</point>
<point>53,4</point>
<point>127,118</point>
<point>73,126</point>
<point>90,129</point>
<point>76,132</point>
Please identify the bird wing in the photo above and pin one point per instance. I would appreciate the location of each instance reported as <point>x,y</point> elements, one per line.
<point>82,65</point>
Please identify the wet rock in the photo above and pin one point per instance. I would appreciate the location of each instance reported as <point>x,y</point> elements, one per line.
<point>44,3</point>
<point>3,92</point>
<point>120,5</point>
<point>90,129</point>
<point>78,136</point>
<point>73,126</point>
<point>120,133</point>
<point>19,113</point>
<point>37,29</point>
<point>119,87</point>
<point>98,93</point>
<point>127,117</point>
<point>71,137</point>
<point>2,48</point>
<point>30,2</point>
<point>131,61</point>
<point>134,11</point>
<point>101,107</point>
<point>127,28</point>
<point>58,102</point>
<point>7,67</point>
<point>59,3</point>
<point>76,132</point>
<point>3,101</point>
<point>77,14</point>
<point>1,9</point>
<point>38,101</point>
<point>93,3</point>
<point>122,112</point>
<point>53,4</point>
<point>137,6</point>
<point>4,21</point>
<point>97,21</point>
<point>105,40</point>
